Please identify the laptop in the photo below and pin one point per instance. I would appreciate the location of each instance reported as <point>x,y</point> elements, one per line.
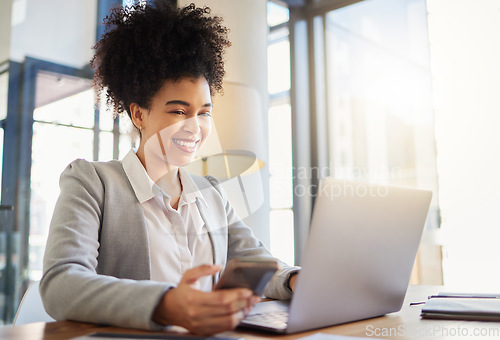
<point>358,259</point>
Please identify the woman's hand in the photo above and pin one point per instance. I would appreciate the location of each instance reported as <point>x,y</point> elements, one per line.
<point>203,312</point>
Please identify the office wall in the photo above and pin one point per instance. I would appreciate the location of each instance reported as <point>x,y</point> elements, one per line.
<point>465,51</point>
<point>246,63</point>
<point>5,14</point>
<point>58,31</point>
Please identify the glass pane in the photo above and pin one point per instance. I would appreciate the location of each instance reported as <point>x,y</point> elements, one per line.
<point>126,144</point>
<point>380,106</point>
<point>1,161</point>
<point>380,112</point>
<point>4,85</point>
<point>9,270</point>
<point>465,54</point>
<point>3,266</point>
<point>126,127</point>
<point>280,156</point>
<point>56,35</point>
<point>54,147</point>
<point>106,115</point>
<point>278,61</point>
<point>128,2</point>
<point>76,110</point>
<point>282,238</point>
<point>281,192</point>
<point>276,14</point>
<point>129,136</point>
<point>105,146</point>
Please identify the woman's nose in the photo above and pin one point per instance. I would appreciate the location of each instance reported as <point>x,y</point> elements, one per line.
<point>192,125</point>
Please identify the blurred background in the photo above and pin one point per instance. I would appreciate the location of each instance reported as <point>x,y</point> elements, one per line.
<point>397,92</point>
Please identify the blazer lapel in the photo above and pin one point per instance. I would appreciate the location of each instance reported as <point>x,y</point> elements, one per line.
<point>218,245</point>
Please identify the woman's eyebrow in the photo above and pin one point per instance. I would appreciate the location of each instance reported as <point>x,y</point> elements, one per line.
<point>182,102</point>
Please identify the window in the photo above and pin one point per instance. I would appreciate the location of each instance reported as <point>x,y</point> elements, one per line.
<point>363,90</point>
<point>380,113</point>
<point>64,120</point>
<point>464,58</point>
<point>280,140</point>
<point>4,84</point>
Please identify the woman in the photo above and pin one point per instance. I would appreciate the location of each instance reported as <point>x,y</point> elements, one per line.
<point>139,242</point>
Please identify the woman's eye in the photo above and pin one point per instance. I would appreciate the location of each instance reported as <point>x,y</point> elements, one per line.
<point>177,112</point>
<point>206,114</point>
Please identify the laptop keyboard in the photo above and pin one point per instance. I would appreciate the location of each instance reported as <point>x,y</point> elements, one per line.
<point>273,319</point>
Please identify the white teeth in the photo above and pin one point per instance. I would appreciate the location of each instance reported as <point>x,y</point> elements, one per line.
<point>185,144</point>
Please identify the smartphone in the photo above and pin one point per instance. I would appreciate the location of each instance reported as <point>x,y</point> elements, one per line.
<point>250,273</point>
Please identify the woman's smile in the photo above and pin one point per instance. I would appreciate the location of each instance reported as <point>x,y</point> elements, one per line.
<point>176,124</point>
<point>186,145</point>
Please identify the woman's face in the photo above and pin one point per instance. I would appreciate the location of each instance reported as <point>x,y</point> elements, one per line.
<point>177,123</point>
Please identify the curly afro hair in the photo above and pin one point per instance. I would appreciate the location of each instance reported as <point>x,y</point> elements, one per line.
<point>148,44</point>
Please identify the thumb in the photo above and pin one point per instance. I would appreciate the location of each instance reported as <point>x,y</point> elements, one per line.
<point>192,275</point>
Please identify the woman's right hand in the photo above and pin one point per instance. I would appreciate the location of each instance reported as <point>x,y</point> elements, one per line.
<point>203,312</point>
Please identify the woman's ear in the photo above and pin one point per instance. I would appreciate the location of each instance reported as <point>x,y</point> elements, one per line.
<point>136,112</point>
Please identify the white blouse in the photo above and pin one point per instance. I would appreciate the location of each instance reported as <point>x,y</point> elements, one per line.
<point>178,238</point>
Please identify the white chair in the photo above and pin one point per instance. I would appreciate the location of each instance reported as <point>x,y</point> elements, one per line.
<point>31,307</point>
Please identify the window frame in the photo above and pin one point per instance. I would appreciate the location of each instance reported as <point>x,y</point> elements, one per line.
<point>277,34</point>
<point>309,104</point>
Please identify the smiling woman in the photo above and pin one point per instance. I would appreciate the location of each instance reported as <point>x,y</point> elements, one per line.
<point>174,127</point>
<point>139,242</point>
<point>180,112</point>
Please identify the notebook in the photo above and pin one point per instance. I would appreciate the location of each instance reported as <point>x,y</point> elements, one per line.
<point>479,307</point>
<point>358,259</point>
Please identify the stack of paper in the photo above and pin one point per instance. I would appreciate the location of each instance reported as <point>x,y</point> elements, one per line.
<point>481,307</point>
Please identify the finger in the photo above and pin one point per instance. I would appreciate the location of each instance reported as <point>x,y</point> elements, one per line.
<point>192,275</point>
<point>223,309</point>
<point>227,296</point>
<point>255,300</point>
<point>217,324</point>
<point>220,303</point>
<point>252,302</point>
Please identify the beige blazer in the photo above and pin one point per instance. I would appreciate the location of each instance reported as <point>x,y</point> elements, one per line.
<point>96,266</point>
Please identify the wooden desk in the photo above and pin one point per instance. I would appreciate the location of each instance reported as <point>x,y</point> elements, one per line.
<point>405,324</point>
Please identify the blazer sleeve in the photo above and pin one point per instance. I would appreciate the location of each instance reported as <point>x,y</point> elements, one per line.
<point>242,242</point>
<point>70,288</point>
